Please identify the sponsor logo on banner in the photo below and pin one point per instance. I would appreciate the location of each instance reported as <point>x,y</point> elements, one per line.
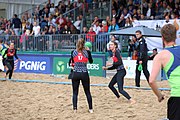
<point>61,66</point>
<point>33,64</point>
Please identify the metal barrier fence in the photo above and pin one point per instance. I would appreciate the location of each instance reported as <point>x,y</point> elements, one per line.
<point>60,42</point>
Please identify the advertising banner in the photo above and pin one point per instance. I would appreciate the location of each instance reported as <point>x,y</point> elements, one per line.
<point>34,64</point>
<point>60,65</point>
<point>55,64</point>
<point>130,66</point>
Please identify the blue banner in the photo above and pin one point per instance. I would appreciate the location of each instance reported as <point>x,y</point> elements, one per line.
<point>34,64</point>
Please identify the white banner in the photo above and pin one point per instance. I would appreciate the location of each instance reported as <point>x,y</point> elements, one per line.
<point>1,64</point>
<point>130,66</point>
<point>155,42</point>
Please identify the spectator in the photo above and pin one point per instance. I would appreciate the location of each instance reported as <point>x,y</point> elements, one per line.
<point>84,31</point>
<point>104,26</point>
<point>90,36</point>
<point>95,19</point>
<point>66,30</point>
<point>151,57</point>
<point>77,23</point>
<point>108,21</point>
<point>52,8</point>
<point>61,21</point>
<point>113,26</point>
<point>171,4</point>
<point>150,12</point>
<point>74,30</point>
<point>17,24</point>
<point>36,33</point>
<point>96,27</point>
<point>166,20</point>
<point>44,22</point>
<point>128,22</point>
<point>69,23</point>
<point>131,46</point>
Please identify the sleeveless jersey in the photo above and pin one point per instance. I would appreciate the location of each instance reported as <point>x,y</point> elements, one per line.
<point>172,70</point>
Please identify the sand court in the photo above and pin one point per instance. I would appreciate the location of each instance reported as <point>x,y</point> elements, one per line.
<point>43,101</point>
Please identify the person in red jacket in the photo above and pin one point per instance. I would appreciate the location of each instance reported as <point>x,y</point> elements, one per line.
<point>90,37</point>
<point>61,21</point>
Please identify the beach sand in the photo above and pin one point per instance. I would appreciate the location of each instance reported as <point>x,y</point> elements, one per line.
<point>41,101</point>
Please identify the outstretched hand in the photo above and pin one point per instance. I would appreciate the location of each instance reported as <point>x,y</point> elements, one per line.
<point>104,68</point>
<point>161,98</point>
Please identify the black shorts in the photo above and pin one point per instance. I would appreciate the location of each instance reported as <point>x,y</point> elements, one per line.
<point>4,62</point>
<point>173,108</point>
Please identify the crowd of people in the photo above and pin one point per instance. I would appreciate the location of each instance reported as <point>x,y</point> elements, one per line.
<point>50,20</point>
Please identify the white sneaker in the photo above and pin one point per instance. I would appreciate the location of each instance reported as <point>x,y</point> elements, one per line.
<point>75,110</point>
<point>91,111</point>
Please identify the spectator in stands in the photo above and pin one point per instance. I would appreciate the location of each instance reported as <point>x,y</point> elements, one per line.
<point>44,22</point>
<point>66,30</point>
<point>90,37</point>
<point>104,26</point>
<point>8,25</point>
<point>84,31</point>
<point>36,33</point>
<point>74,30</point>
<point>150,12</point>
<point>69,23</point>
<point>50,31</point>
<point>102,40</point>
<point>167,11</point>
<point>59,29</point>
<point>52,8</point>
<point>16,24</point>
<point>77,23</point>
<point>96,27</point>
<point>108,21</point>
<point>145,7</point>
<point>128,22</point>
<point>176,10</point>
<point>23,24</point>
<point>61,21</point>
<point>28,28</point>
<point>95,19</point>
<point>113,26</point>
<point>114,14</point>
<point>166,20</point>
<point>151,57</point>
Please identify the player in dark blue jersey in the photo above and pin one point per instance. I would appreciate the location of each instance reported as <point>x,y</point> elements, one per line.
<point>79,58</point>
<point>121,72</point>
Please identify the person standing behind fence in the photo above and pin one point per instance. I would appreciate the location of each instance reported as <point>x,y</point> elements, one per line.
<point>142,58</point>
<point>79,58</point>
<point>113,26</point>
<point>36,32</point>
<point>9,60</point>
<point>17,24</point>
<point>90,37</point>
<point>169,60</point>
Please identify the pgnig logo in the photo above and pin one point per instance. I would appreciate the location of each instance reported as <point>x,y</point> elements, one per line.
<point>60,66</point>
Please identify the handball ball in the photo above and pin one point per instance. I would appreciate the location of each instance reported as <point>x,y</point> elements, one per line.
<point>88,44</point>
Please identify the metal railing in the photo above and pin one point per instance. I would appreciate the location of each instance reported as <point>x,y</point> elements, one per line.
<point>61,42</point>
